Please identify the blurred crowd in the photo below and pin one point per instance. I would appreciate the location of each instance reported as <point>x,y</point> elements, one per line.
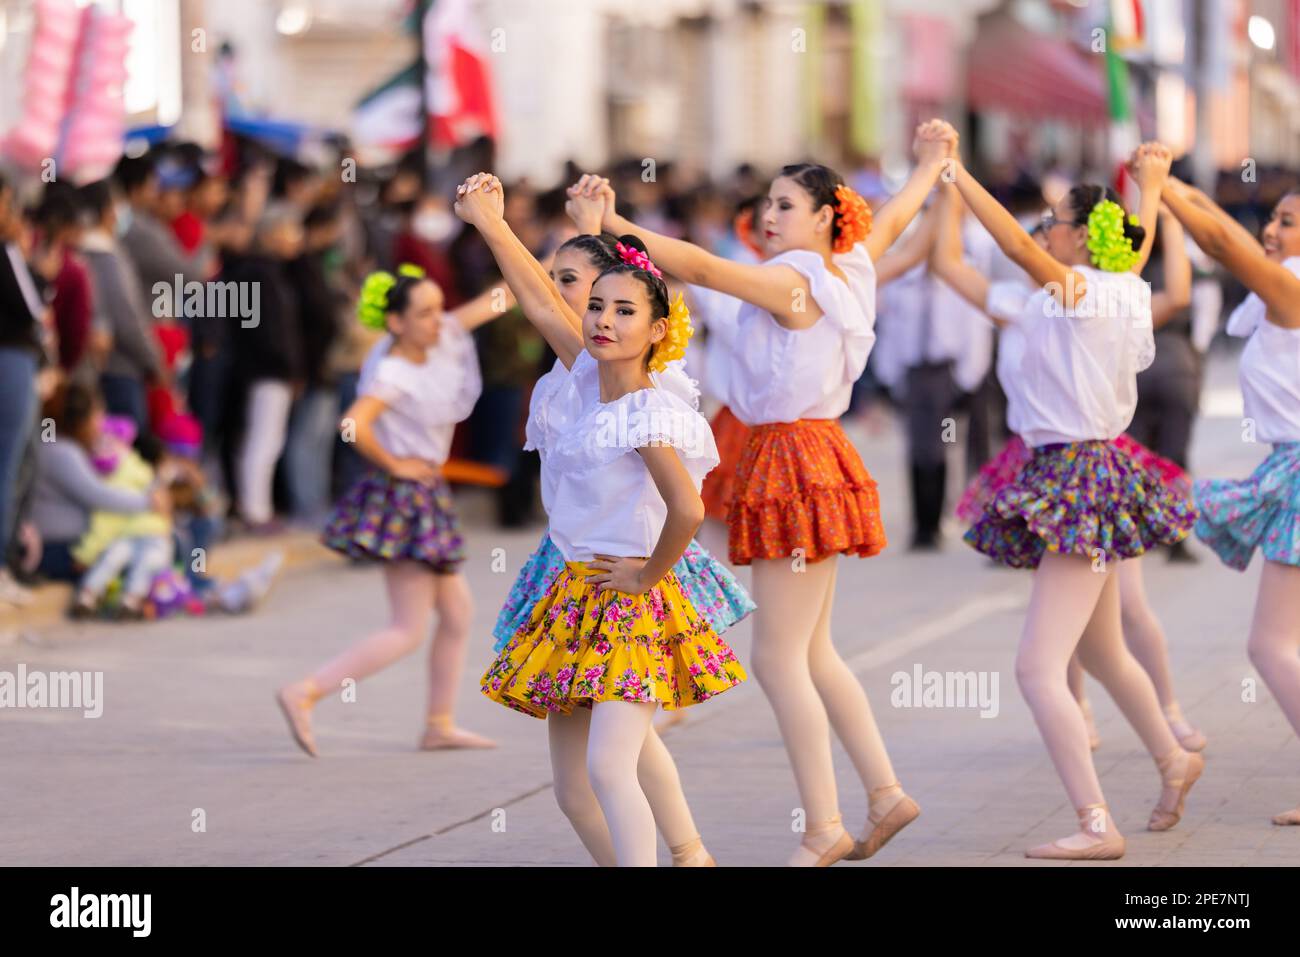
<point>177,344</point>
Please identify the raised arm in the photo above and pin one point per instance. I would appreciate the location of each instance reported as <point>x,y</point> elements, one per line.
<point>1272,282</point>
<point>946,259</point>
<point>772,288</point>
<point>1177,293</point>
<point>912,250</point>
<point>1066,284</point>
<point>935,142</point>
<point>495,300</point>
<point>480,202</point>
<point>1151,167</point>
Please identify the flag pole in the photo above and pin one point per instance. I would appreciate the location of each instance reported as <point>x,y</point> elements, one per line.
<point>422,70</point>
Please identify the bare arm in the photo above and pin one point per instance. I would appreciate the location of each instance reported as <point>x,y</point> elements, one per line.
<point>772,288</point>
<point>912,250</point>
<point>358,426</point>
<point>1177,293</point>
<point>480,204</point>
<point>496,300</point>
<point>1272,282</point>
<point>1066,284</point>
<point>946,260</point>
<point>685,510</point>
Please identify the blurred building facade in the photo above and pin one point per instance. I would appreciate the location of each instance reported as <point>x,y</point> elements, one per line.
<point>709,84</point>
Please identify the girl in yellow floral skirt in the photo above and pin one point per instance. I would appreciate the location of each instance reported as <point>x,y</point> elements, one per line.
<point>625,451</point>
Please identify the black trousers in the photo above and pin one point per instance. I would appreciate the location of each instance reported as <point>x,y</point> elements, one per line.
<point>930,397</point>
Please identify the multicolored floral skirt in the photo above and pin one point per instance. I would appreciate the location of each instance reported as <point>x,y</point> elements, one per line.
<point>730,435</point>
<point>1083,498</point>
<point>581,645</point>
<point>1004,468</point>
<point>391,519</point>
<point>802,485</point>
<point>710,586</point>
<point>1261,512</point>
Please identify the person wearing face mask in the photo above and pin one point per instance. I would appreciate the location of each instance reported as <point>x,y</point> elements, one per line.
<point>419,241</point>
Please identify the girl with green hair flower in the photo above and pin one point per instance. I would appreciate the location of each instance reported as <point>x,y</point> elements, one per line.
<point>1082,504</point>
<point>416,384</point>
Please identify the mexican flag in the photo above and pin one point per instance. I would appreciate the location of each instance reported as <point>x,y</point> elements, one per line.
<point>457,85</point>
<point>1126,32</point>
<point>455,88</point>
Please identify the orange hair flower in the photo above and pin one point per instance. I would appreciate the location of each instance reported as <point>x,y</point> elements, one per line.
<point>743,224</point>
<point>853,216</point>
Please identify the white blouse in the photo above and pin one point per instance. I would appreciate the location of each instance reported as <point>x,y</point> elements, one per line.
<point>768,373</point>
<point>1005,301</point>
<point>1269,369</point>
<point>424,401</point>
<point>599,495</point>
<point>1077,376</point>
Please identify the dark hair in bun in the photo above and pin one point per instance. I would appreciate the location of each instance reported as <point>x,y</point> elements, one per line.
<point>656,288</point>
<point>820,182</point>
<point>1087,195</point>
<point>599,250</point>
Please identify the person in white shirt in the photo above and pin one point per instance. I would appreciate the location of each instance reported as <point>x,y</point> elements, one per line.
<point>417,383</point>
<point>1004,301</point>
<point>802,495</point>
<point>710,586</point>
<point>1081,505</point>
<point>624,450</point>
<point>1262,511</point>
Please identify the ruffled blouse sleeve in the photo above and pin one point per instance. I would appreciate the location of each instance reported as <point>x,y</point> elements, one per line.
<point>848,306</point>
<point>1246,318</point>
<point>657,416</point>
<point>559,400</point>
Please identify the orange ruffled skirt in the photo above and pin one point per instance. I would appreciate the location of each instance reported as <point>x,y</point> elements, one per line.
<point>730,434</point>
<point>582,645</point>
<point>802,485</point>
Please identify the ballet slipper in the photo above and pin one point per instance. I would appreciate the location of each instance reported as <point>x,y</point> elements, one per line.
<point>1094,739</point>
<point>296,702</point>
<point>806,855</point>
<point>668,719</point>
<point>1189,737</point>
<point>1177,777</point>
<point>692,854</point>
<point>442,735</point>
<point>1108,847</point>
<point>1288,817</point>
<point>884,823</point>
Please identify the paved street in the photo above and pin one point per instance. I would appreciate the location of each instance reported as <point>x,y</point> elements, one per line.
<point>189,723</point>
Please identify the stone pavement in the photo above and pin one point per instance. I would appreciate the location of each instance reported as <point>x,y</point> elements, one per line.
<point>190,731</point>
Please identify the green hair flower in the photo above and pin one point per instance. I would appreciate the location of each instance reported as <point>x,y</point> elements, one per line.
<point>1111,250</point>
<point>372,307</point>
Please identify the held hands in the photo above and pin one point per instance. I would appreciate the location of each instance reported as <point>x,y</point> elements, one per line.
<point>416,470</point>
<point>587,212</point>
<point>619,574</point>
<point>480,199</point>
<point>935,141</point>
<point>1150,164</point>
<point>594,188</point>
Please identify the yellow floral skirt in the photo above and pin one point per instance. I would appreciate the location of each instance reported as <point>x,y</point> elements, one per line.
<point>581,645</point>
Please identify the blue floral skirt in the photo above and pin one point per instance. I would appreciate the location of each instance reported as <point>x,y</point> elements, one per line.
<point>390,519</point>
<point>1081,498</point>
<point>1261,512</point>
<point>710,586</point>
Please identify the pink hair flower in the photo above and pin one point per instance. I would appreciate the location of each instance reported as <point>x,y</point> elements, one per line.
<point>635,257</point>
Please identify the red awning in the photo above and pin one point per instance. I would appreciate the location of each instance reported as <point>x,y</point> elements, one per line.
<point>1014,69</point>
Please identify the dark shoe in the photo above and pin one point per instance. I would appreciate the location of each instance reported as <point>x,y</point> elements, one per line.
<point>1180,554</point>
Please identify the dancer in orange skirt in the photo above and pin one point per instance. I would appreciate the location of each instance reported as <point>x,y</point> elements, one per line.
<point>802,495</point>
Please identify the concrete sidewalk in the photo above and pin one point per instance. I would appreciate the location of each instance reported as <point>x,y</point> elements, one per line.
<point>190,732</point>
